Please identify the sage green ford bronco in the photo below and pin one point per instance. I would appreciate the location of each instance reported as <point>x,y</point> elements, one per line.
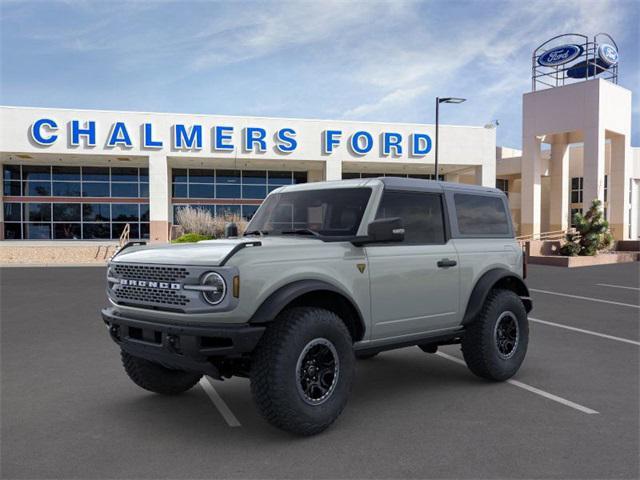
<point>326,273</point>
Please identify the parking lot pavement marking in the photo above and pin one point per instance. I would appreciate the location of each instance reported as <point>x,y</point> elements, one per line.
<point>585,298</point>
<point>610,337</point>
<point>225,411</point>
<point>529,388</point>
<point>617,286</point>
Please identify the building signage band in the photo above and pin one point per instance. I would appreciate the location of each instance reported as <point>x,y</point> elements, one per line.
<point>45,132</point>
<point>560,55</point>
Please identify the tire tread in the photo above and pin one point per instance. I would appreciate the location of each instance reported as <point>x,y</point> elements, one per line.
<point>266,386</point>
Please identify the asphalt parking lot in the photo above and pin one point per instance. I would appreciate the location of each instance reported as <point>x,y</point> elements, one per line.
<point>69,411</point>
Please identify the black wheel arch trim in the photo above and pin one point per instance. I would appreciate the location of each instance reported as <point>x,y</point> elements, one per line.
<point>278,300</point>
<point>489,280</point>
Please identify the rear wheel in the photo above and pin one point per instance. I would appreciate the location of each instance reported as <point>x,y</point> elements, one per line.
<point>156,378</point>
<point>495,344</point>
<point>302,370</point>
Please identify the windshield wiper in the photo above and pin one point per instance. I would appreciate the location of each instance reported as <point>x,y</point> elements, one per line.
<point>256,232</point>
<point>301,231</point>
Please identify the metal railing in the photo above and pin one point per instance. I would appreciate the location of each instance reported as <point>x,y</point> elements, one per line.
<point>124,236</point>
<point>551,235</point>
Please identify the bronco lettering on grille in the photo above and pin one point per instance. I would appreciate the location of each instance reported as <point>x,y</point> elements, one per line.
<point>150,284</point>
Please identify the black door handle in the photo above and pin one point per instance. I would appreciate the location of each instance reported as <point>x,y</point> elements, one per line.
<point>445,263</point>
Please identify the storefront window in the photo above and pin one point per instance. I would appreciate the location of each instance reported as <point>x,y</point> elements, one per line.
<point>576,189</point>
<point>63,181</point>
<point>216,186</point>
<point>503,184</point>
<point>51,220</point>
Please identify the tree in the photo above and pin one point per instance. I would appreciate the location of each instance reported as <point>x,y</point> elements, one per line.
<point>591,235</point>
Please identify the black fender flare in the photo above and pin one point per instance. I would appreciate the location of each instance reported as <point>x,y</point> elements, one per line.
<point>500,277</point>
<point>278,300</point>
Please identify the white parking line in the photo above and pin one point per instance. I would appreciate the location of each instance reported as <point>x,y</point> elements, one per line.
<point>585,298</point>
<point>602,335</point>
<point>529,388</point>
<point>225,411</point>
<point>617,286</point>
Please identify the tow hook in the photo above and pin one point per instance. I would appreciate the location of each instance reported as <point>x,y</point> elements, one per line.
<point>173,343</point>
<point>114,331</point>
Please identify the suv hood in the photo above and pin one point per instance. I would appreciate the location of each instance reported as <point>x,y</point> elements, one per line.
<point>208,252</point>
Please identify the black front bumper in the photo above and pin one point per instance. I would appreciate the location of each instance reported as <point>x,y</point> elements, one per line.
<point>191,348</point>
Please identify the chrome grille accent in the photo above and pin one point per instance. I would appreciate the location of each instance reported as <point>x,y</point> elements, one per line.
<point>149,272</point>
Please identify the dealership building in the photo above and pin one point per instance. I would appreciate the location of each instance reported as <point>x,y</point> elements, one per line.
<point>86,174</point>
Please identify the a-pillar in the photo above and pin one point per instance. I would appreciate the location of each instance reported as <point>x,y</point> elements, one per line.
<point>531,186</point>
<point>593,167</point>
<point>332,169</point>
<point>618,188</point>
<point>159,198</point>
<point>559,207</point>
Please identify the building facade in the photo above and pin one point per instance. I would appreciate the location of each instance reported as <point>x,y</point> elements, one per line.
<point>576,149</point>
<point>85,174</point>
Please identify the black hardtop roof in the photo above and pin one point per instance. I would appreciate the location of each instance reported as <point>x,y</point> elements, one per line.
<point>436,186</point>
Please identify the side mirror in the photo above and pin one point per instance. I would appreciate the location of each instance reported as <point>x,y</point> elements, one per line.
<point>383,230</point>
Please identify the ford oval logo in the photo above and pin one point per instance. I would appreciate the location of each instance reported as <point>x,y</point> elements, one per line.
<point>560,55</point>
<point>608,54</point>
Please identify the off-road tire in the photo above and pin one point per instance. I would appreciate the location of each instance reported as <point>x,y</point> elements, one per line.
<point>156,378</point>
<point>479,345</point>
<point>366,356</point>
<point>275,376</point>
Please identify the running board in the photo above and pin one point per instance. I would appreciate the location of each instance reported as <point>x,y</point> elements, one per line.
<point>450,337</point>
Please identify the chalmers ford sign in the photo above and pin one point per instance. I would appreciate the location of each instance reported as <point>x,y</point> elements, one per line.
<point>222,138</point>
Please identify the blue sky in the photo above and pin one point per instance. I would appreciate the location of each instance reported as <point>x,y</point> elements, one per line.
<point>367,60</point>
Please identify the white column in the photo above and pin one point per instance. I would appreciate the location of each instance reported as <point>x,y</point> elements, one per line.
<point>159,197</point>
<point>559,205</point>
<point>531,186</point>
<point>593,167</point>
<point>486,174</point>
<point>333,169</point>
<point>618,188</point>
<point>452,177</point>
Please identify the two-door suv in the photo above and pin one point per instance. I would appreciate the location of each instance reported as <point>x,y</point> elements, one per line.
<point>324,274</point>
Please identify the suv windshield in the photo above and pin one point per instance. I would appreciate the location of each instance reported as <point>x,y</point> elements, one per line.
<point>322,212</point>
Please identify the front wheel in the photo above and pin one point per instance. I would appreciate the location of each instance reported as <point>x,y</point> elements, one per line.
<point>156,378</point>
<point>495,344</point>
<point>302,370</point>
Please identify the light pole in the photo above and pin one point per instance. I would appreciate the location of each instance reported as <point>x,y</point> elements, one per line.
<point>438,102</point>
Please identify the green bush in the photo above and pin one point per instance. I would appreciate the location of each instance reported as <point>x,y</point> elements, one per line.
<point>591,235</point>
<point>192,238</point>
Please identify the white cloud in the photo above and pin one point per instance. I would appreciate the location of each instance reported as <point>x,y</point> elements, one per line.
<point>487,57</point>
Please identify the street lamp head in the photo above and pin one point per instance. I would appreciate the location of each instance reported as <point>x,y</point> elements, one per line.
<point>451,100</point>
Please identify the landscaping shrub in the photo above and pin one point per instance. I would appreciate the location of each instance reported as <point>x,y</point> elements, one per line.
<point>192,238</point>
<point>591,235</point>
<point>200,221</point>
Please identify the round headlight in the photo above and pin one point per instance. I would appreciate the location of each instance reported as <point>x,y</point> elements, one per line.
<point>216,288</point>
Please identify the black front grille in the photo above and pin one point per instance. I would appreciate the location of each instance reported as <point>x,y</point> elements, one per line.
<point>151,273</point>
<point>154,295</point>
<point>133,294</point>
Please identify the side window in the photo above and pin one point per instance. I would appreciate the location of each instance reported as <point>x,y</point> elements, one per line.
<point>481,215</point>
<point>421,214</point>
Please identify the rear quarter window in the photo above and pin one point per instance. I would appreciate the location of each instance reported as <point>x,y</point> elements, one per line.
<point>481,215</point>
